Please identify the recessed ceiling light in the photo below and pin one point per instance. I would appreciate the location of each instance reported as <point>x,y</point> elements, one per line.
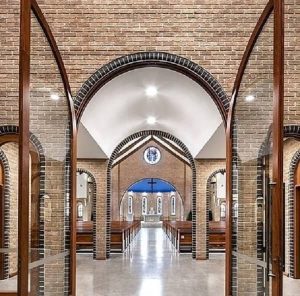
<point>151,120</point>
<point>250,98</point>
<point>151,91</point>
<point>54,97</point>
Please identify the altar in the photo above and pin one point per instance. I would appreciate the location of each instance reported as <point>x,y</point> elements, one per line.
<point>152,217</point>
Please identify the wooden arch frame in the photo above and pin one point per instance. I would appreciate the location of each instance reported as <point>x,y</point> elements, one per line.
<point>10,134</point>
<point>24,134</point>
<point>275,6</point>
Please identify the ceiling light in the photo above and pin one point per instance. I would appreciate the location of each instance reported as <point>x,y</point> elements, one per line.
<point>54,97</point>
<point>151,120</point>
<point>151,91</point>
<point>250,98</point>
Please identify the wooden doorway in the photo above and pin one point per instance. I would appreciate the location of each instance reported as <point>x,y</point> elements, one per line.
<point>297,221</point>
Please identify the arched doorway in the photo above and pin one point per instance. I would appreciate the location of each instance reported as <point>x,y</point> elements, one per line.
<point>122,67</point>
<point>152,196</point>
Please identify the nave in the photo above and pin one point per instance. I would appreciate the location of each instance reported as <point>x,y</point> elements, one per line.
<point>151,266</point>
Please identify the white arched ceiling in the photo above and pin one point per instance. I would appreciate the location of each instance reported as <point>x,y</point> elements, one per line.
<point>121,107</point>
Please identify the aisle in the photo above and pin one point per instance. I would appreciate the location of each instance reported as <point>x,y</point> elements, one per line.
<point>151,267</point>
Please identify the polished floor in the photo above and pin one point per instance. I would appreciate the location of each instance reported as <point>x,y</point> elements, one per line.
<point>151,267</point>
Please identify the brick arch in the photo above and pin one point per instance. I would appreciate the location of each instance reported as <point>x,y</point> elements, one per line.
<point>208,192</point>
<point>114,156</point>
<point>13,130</point>
<point>289,131</point>
<point>155,59</point>
<point>79,170</point>
<point>124,192</point>
<point>6,202</point>
<point>293,165</point>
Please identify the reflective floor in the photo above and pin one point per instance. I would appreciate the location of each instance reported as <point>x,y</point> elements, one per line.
<point>151,267</point>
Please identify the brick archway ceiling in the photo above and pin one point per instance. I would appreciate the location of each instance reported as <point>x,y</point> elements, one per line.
<point>182,108</point>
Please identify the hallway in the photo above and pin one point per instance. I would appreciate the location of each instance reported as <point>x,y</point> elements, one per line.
<point>150,267</point>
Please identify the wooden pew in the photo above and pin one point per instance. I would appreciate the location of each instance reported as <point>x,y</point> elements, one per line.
<point>217,236</point>
<point>84,234</point>
<point>122,234</point>
<point>180,234</point>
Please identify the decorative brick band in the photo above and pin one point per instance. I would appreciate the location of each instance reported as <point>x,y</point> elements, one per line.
<point>14,130</point>
<point>79,170</point>
<point>208,195</point>
<point>114,156</point>
<point>6,203</point>
<point>154,59</point>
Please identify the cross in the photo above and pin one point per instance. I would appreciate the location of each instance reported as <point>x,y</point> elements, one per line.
<point>152,183</point>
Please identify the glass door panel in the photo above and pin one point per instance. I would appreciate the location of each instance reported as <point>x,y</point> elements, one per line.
<point>50,184</point>
<point>252,153</point>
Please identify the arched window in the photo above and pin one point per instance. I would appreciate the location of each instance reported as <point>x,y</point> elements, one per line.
<point>173,205</point>
<point>223,210</point>
<point>235,210</point>
<point>80,210</point>
<point>129,204</point>
<point>159,205</point>
<point>144,205</point>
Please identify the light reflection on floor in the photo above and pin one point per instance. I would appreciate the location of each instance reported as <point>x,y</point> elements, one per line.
<point>151,267</point>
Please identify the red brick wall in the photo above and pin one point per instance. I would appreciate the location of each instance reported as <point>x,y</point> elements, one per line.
<point>134,168</point>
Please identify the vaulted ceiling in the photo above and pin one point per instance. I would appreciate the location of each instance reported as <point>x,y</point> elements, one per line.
<point>181,107</point>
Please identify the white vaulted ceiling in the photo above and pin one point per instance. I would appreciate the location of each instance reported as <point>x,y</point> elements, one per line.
<point>121,108</point>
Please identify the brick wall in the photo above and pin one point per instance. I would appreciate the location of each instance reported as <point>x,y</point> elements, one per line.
<point>291,146</point>
<point>11,151</point>
<point>98,168</point>
<point>134,168</point>
<point>204,168</point>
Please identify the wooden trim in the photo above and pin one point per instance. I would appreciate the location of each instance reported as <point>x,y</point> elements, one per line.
<point>278,109</point>
<point>123,151</point>
<point>73,128</point>
<point>92,159</point>
<point>24,109</point>
<point>8,294</point>
<point>251,43</point>
<point>172,153</point>
<point>130,153</point>
<point>179,151</point>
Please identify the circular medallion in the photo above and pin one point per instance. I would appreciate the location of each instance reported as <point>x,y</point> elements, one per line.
<point>152,155</point>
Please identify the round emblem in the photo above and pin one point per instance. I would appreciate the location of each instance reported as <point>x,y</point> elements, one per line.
<point>152,155</point>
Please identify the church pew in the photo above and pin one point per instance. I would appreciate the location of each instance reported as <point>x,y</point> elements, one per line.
<point>180,234</point>
<point>217,236</point>
<point>122,234</point>
<point>84,234</point>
